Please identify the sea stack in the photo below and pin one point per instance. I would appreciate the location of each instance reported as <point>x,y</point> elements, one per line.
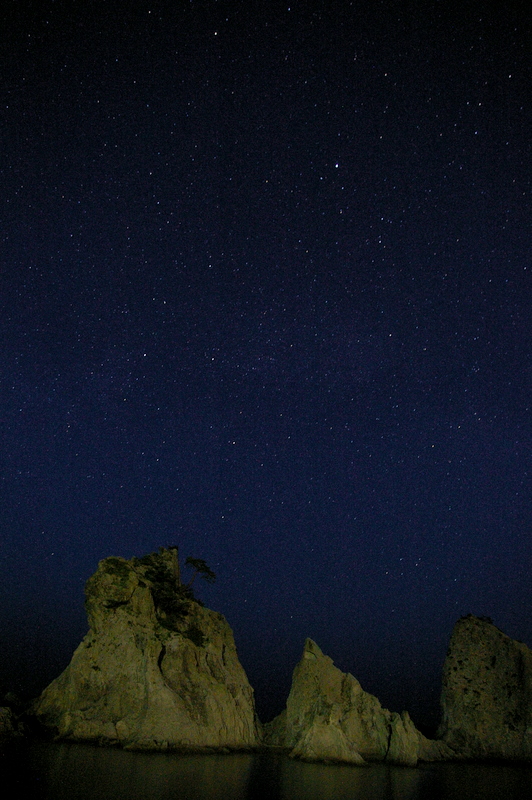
<point>487,693</point>
<point>329,717</point>
<point>156,670</point>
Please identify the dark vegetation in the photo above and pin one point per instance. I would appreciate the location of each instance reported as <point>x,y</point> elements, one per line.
<point>171,596</point>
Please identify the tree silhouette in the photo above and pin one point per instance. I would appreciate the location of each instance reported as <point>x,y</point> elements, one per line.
<point>200,568</point>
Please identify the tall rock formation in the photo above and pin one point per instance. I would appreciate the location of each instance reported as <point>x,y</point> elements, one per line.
<point>487,693</point>
<point>329,717</point>
<point>156,670</point>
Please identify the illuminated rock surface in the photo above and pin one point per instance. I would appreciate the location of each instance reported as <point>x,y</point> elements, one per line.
<point>329,716</point>
<point>156,670</point>
<point>487,693</point>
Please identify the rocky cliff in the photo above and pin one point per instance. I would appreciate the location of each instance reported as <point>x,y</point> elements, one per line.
<point>487,693</point>
<point>156,670</point>
<point>329,717</point>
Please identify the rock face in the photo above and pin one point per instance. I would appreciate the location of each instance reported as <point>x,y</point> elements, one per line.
<point>8,726</point>
<point>157,670</point>
<point>329,717</point>
<point>487,693</point>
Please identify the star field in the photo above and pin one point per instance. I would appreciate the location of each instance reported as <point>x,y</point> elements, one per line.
<point>265,288</point>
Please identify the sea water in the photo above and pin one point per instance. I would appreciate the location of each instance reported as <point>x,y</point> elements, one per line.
<point>82,772</point>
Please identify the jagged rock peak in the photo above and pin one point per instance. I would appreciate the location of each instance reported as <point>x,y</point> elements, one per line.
<point>487,693</point>
<point>329,717</point>
<point>156,670</point>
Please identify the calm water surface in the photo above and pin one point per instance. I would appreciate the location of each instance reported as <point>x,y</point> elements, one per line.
<point>74,771</point>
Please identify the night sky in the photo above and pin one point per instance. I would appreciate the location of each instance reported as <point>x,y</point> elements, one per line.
<point>266,294</point>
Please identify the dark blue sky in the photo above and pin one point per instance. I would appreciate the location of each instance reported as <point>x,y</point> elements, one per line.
<point>266,293</point>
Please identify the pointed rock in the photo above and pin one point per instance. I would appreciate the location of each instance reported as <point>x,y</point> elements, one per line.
<point>327,711</point>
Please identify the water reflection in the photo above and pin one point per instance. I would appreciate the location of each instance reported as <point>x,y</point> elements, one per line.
<point>81,772</point>
<point>478,781</point>
<point>328,782</point>
<point>72,772</point>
